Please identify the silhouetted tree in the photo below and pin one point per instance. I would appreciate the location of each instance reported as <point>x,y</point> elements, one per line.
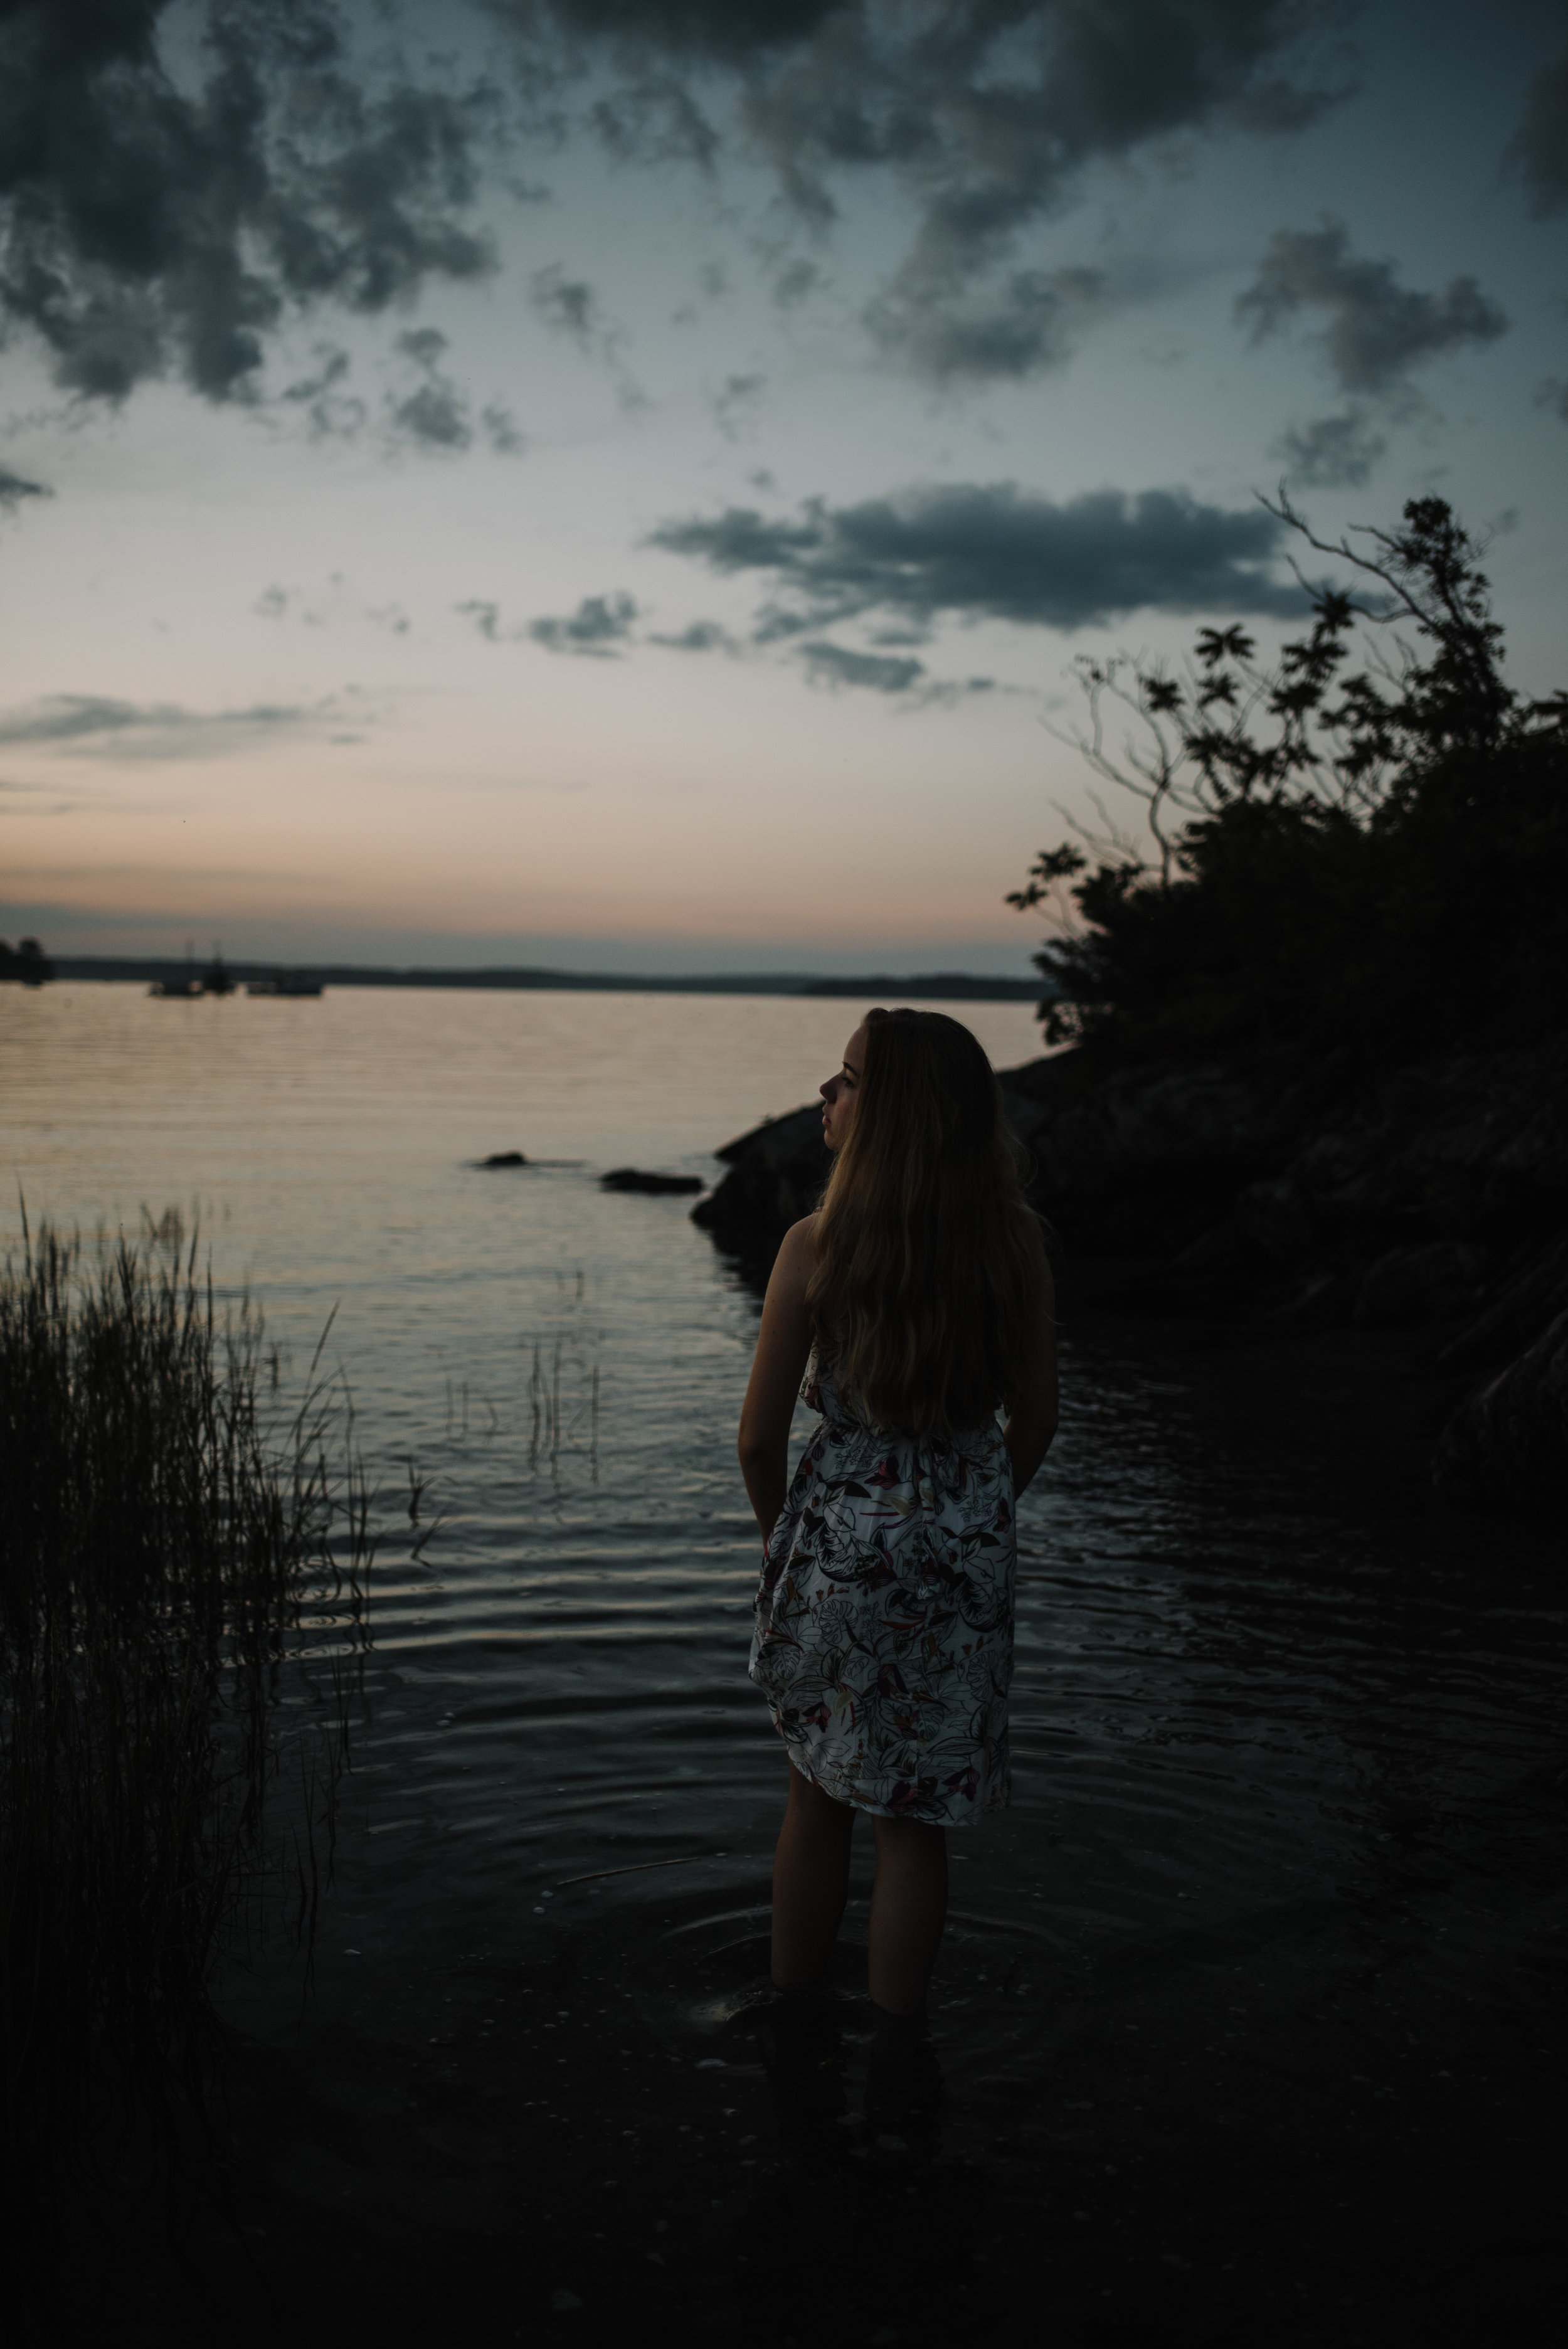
<point>26,962</point>
<point>1372,856</point>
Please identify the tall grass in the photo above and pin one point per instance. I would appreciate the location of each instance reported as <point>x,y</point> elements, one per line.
<point>174,1548</point>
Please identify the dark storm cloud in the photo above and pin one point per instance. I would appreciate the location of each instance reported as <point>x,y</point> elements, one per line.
<point>1539,150</point>
<point>156,220</point>
<point>14,489</point>
<point>175,183</point>
<point>599,627</point>
<point>1331,453</point>
<point>988,111</point>
<point>1376,329</point>
<point>995,553</point>
<point>992,104</point>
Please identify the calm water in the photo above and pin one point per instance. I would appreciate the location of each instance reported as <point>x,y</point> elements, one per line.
<point>1244,1704</point>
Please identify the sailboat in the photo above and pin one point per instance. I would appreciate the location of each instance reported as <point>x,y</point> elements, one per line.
<point>215,979</point>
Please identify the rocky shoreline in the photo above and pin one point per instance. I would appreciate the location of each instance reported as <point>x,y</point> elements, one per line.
<point>1287,1197</point>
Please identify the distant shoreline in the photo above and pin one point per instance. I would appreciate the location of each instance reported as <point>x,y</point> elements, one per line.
<point>937,986</point>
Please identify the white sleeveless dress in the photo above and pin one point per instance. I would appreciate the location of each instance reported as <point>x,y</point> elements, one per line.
<point>884,1619</point>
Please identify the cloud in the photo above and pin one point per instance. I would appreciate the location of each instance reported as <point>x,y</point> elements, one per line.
<point>834,664</point>
<point>180,183</point>
<point>570,307</point>
<point>906,681</point>
<point>1013,330</point>
<point>1331,453</point>
<point>699,637</point>
<point>599,626</point>
<point>655,121</point>
<point>436,415</point>
<point>331,412</point>
<point>995,553</point>
<point>485,615</point>
<point>735,408</point>
<point>986,113</point>
<point>793,280</point>
<point>1539,148</point>
<point>277,602</point>
<point>99,726</point>
<point>501,429</point>
<point>1376,330</point>
<point>14,489</point>
<point>433,417</point>
<point>1552,393</point>
<point>164,207</point>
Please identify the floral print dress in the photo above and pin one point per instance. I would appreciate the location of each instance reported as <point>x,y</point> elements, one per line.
<point>884,1619</point>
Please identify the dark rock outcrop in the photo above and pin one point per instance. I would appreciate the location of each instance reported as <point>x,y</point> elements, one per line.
<point>633,1179</point>
<point>775,1176</point>
<point>1507,1445</point>
<point>1297,1195</point>
<point>504,1158</point>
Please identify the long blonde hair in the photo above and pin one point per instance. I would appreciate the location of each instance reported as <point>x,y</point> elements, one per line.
<point>926,1289</point>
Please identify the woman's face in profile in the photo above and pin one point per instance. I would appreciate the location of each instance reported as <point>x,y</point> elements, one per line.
<point>840,1091</point>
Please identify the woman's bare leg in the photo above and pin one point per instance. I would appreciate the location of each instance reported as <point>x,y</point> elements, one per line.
<point>909,1909</point>
<point>811,1882</point>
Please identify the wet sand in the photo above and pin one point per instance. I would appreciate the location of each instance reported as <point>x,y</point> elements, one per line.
<point>1335,2118</point>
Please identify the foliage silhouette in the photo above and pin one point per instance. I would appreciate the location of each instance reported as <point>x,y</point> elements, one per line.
<point>1370,857</point>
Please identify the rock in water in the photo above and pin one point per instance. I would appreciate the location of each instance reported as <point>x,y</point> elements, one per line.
<point>504,1158</point>
<point>631,1178</point>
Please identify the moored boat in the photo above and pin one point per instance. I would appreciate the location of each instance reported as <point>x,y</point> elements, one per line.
<point>289,983</point>
<point>213,981</point>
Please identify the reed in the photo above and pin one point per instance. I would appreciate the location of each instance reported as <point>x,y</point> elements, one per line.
<point>176,1551</point>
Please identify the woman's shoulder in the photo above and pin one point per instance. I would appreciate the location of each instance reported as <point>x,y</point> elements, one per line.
<point>799,1240</point>
<point>796,1260</point>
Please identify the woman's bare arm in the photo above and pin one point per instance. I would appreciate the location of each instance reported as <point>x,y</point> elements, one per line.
<point>782,1345</point>
<point>1032,1421</point>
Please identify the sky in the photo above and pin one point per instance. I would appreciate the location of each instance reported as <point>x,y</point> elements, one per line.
<point>623,483</point>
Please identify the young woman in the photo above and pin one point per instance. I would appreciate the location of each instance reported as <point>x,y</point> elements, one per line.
<point>920,1292</point>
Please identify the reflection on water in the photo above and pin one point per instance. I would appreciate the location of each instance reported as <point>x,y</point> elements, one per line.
<point>1253,1722</point>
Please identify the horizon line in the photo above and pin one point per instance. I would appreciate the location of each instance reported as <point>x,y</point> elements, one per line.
<point>549,978</point>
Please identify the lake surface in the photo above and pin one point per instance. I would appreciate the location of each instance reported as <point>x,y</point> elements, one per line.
<point>1255,1713</point>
